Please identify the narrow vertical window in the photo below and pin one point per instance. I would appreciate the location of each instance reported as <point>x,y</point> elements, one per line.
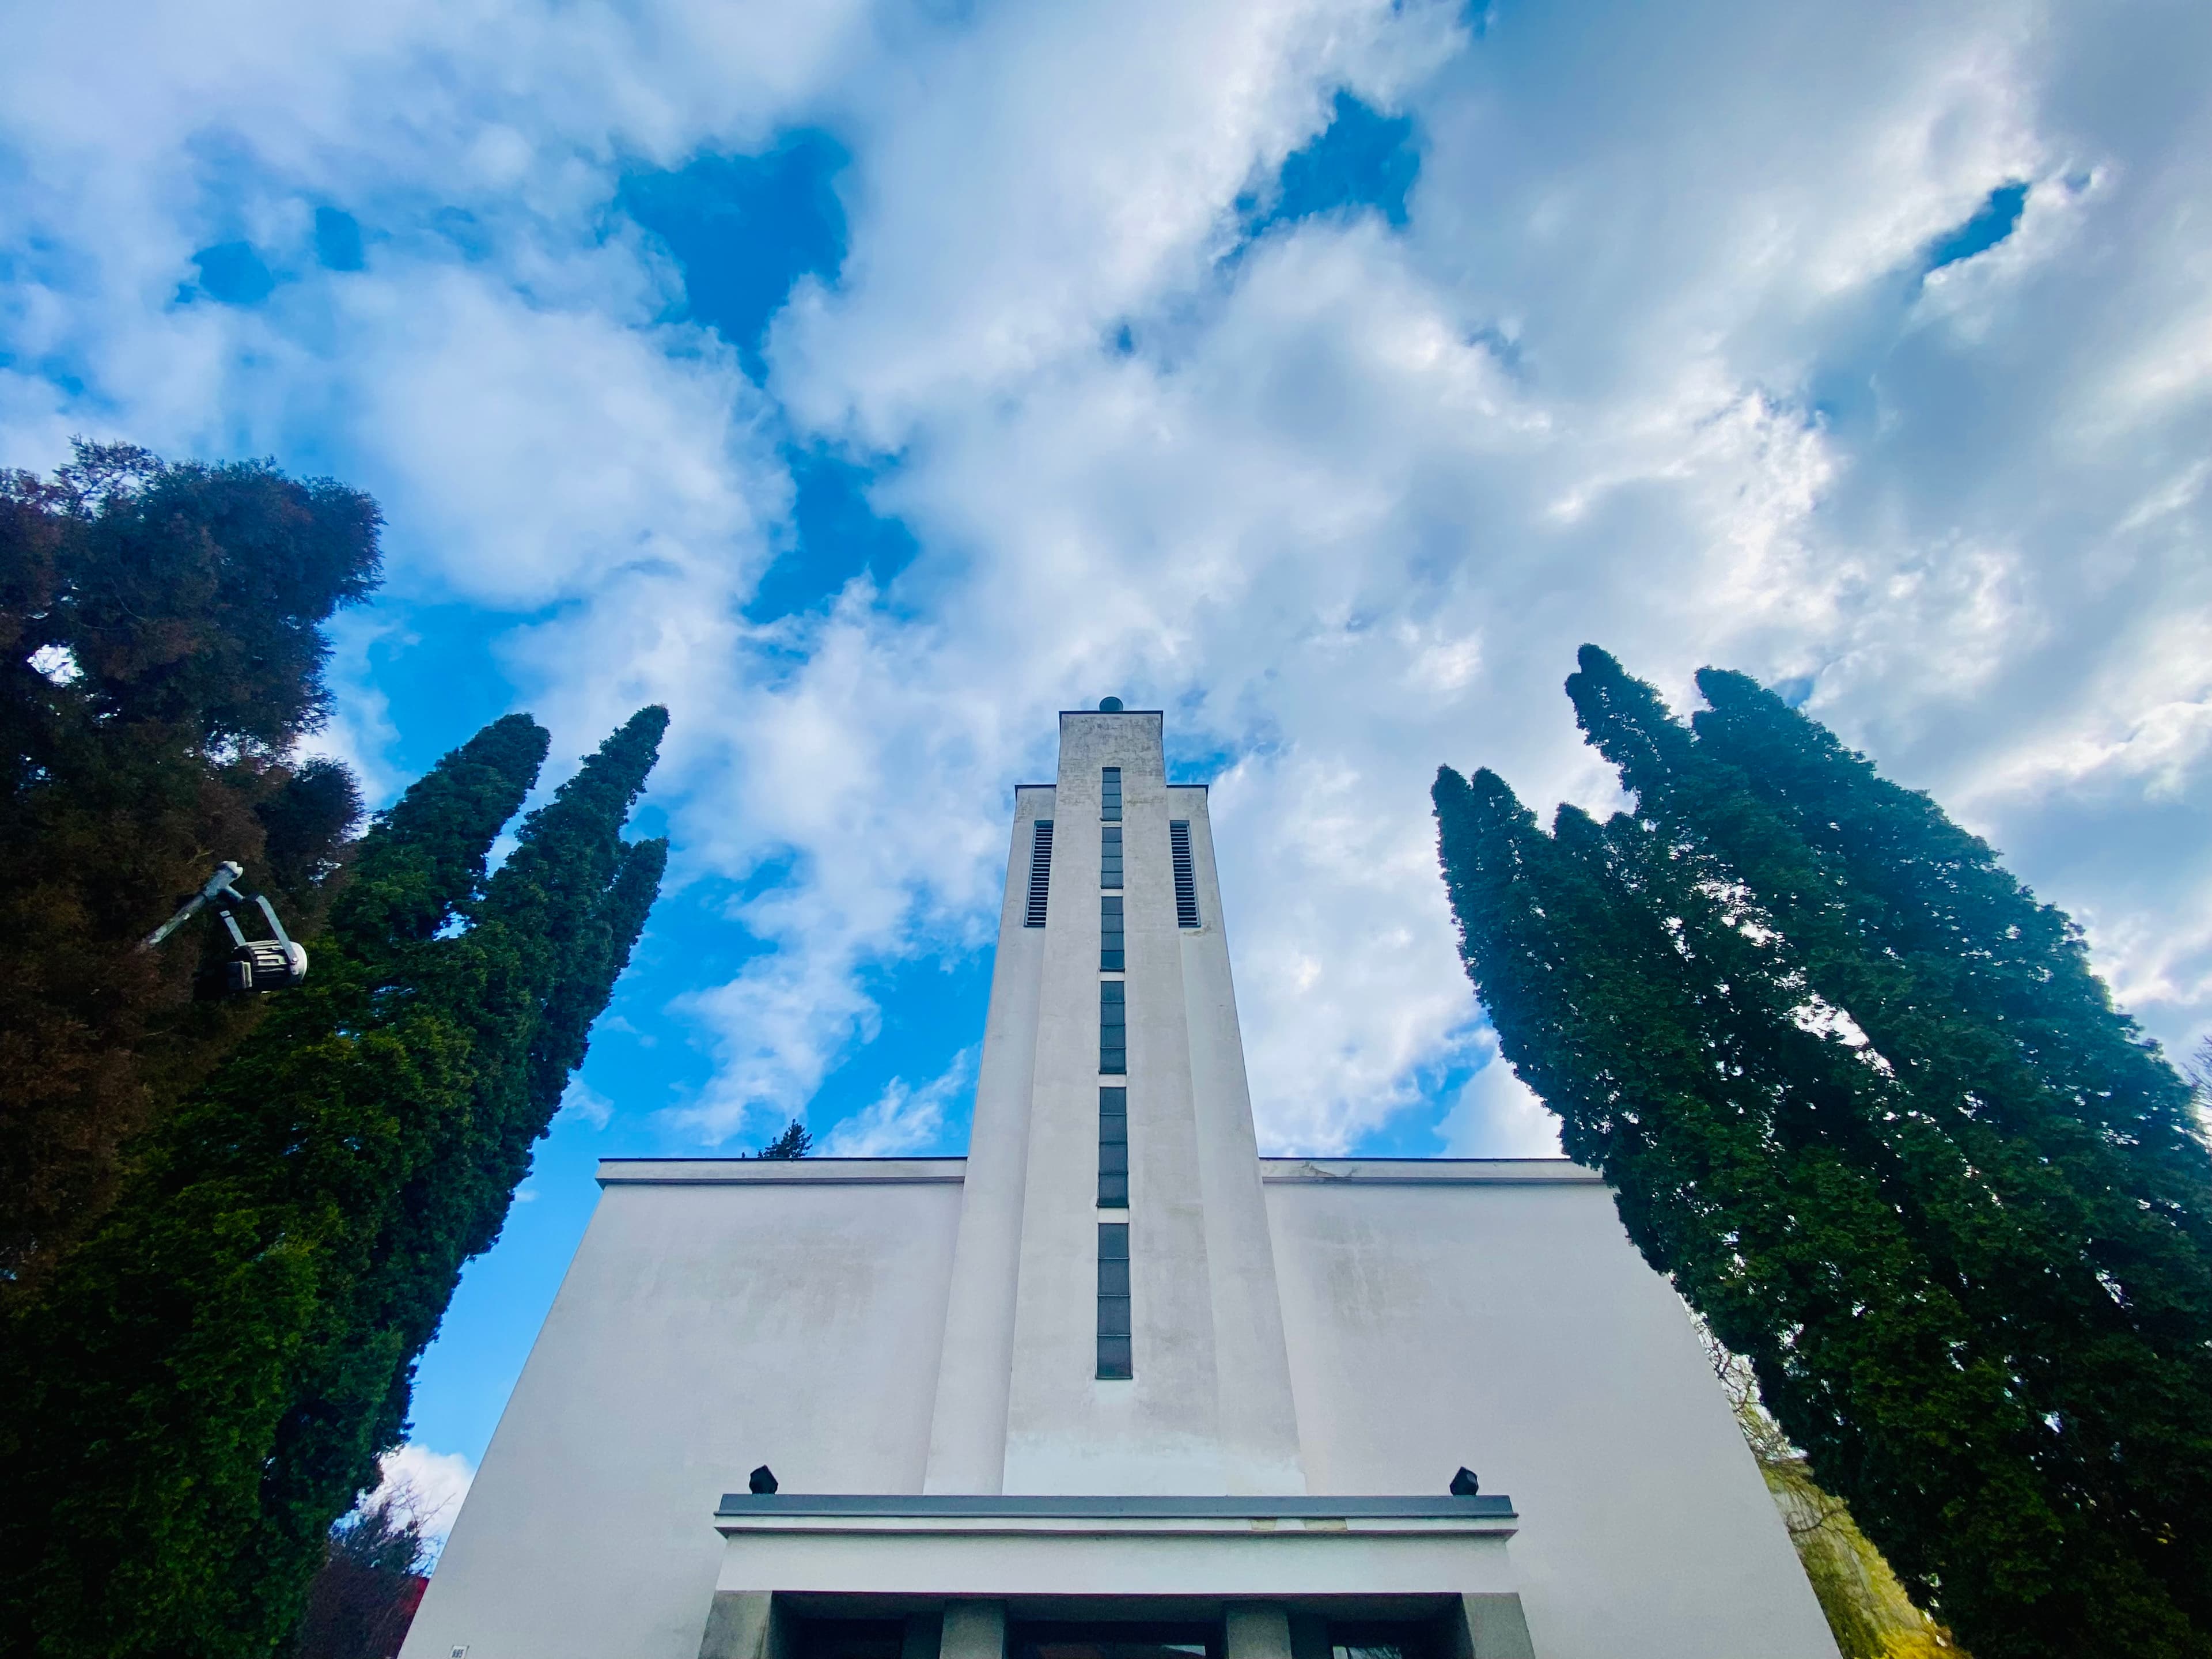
<point>1111,959</point>
<point>1186,875</point>
<point>1113,1028</point>
<point>1040,874</point>
<point>1110,794</point>
<point>1114,1355</point>
<point>1110,856</point>
<point>1113,1148</point>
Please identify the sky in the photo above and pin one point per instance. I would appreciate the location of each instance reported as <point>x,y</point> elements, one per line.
<point>868,381</point>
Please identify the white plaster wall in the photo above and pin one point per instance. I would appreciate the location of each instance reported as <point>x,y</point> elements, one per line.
<point>1508,1324</point>
<point>1293,1560</point>
<point>1258,1420</point>
<point>968,1437</point>
<point>709,1322</point>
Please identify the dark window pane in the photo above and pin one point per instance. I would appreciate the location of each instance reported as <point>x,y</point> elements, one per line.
<point>1114,1358</point>
<point>1111,907</point>
<point>1115,1064</point>
<point>1113,1192</point>
<point>1114,1279</point>
<point>1110,991</point>
<point>1113,1157</point>
<point>1113,1099</point>
<point>1113,1241</point>
<point>1110,961</point>
<point>1113,1128</point>
<point>1113,1315</point>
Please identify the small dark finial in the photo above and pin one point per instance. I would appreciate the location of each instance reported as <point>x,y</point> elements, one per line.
<point>764,1480</point>
<point>1109,705</point>
<point>1464,1484</point>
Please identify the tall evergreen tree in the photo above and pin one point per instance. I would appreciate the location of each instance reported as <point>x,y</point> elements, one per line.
<point>1983,1320</point>
<point>161,652</point>
<point>210,1379</point>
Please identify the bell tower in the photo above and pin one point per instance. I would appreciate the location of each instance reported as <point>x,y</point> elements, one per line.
<point>1113,1325</point>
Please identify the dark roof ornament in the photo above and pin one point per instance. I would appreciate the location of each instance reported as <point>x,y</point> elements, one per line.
<point>1464,1484</point>
<point>763,1480</point>
<point>1109,705</point>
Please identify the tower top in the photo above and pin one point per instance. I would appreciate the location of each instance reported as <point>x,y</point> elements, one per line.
<point>1109,705</point>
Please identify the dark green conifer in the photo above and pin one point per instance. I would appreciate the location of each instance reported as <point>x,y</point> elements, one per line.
<point>162,653</point>
<point>795,1141</point>
<point>220,1367</point>
<point>1921,1254</point>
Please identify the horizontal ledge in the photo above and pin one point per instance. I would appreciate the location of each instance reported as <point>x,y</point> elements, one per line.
<point>927,1506</point>
<point>1430,1171</point>
<point>857,1171</point>
<point>781,1172</point>
<point>1202,788</point>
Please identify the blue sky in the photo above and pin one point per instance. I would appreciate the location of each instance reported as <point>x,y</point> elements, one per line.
<point>867,381</point>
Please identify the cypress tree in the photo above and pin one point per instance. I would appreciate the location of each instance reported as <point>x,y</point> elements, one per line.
<point>162,653</point>
<point>218,1370</point>
<point>1928,1276</point>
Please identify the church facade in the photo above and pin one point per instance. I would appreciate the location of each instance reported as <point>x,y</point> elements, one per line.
<point>1113,1386</point>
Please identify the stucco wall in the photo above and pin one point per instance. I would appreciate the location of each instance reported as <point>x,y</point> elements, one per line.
<point>710,1321</point>
<point>1498,1316</point>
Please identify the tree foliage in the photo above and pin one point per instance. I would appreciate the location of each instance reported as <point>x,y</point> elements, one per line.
<point>1868,1610</point>
<point>795,1141</point>
<point>365,1593</point>
<point>1862,1098</point>
<point>208,1381</point>
<point>160,652</point>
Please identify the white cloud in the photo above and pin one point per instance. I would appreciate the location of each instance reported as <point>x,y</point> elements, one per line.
<point>581,1101</point>
<point>427,1485</point>
<point>1496,1114</point>
<point>1652,365</point>
<point>903,1119</point>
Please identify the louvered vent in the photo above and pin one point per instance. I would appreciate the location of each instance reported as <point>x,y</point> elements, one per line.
<point>1186,878</point>
<point>1040,873</point>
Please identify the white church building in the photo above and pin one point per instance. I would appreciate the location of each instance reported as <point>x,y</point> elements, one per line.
<point>1113,1386</point>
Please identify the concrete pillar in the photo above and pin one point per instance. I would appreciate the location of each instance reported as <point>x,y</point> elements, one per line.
<point>742,1625</point>
<point>974,1629</point>
<point>1491,1627</point>
<point>1257,1630</point>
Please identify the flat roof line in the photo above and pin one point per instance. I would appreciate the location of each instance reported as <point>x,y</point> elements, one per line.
<point>812,1157</point>
<point>1484,1508</point>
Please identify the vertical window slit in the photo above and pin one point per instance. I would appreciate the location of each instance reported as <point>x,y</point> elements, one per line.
<point>1110,958</point>
<point>1114,1355</point>
<point>1113,1028</point>
<point>1113,1148</point>
<point>1110,856</point>
<point>1040,874</point>
<point>1186,875</point>
<point>1110,795</point>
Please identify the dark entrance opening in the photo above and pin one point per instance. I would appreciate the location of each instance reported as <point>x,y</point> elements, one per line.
<point>1103,1640</point>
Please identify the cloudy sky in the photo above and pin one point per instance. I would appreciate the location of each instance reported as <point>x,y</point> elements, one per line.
<point>868,381</point>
